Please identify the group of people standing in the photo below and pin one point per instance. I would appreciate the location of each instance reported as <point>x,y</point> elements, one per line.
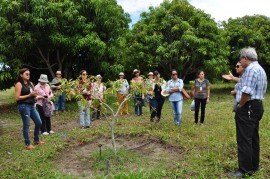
<point>27,95</point>
<point>249,93</point>
<point>158,89</point>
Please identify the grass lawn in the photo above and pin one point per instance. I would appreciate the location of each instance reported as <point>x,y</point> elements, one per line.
<point>144,149</point>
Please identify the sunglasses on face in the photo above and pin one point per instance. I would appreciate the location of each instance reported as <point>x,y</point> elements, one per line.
<point>174,74</point>
<point>83,74</point>
<point>58,74</point>
<point>27,74</point>
<point>237,66</point>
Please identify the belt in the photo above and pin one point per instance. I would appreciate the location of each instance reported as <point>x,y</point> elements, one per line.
<point>255,101</point>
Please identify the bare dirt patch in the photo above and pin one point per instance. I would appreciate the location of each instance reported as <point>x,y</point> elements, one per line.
<point>75,161</point>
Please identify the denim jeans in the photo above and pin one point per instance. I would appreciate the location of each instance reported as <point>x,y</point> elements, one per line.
<point>84,114</point>
<point>156,105</point>
<point>60,100</point>
<point>177,111</point>
<point>138,104</point>
<point>27,111</point>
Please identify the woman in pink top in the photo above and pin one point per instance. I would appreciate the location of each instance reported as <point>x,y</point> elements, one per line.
<point>43,91</point>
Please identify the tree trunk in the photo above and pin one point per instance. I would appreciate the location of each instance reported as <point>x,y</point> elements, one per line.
<point>47,60</point>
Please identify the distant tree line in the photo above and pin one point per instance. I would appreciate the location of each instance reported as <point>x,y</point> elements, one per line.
<point>71,35</point>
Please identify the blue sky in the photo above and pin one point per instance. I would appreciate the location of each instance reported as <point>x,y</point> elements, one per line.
<point>218,9</point>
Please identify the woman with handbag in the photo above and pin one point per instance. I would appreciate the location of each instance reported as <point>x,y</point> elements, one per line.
<point>201,94</point>
<point>44,93</point>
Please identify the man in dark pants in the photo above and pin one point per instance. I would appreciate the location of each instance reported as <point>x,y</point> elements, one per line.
<point>249,112</point>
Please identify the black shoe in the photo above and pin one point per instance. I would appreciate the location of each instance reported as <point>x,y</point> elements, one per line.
<point>87,126</point>
<point>257,169</point>
<point>237,174</point>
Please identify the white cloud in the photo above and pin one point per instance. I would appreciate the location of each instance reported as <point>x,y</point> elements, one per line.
<point>136,7</point>
<point>224,9</point>
<point>133,6</point>
<point>218,9</point>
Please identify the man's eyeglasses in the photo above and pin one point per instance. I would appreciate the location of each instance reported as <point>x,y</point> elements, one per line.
<point>174,74</point>
<point>237,66</point>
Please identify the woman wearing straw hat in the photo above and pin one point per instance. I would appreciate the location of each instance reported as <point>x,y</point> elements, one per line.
<point>44,93</point>
<point>122,93</point>
<point>137,82</point>
<point>58,92</point>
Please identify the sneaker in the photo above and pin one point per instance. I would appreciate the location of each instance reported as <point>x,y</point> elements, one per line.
<point>29,147</point>
<point>51,132</point>
<point>39,142</point>
<point>82,127</point>
<point>45,133</point>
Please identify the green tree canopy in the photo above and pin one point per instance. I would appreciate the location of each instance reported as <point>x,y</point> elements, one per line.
<point>177,35</point>
<point>67,35</point>
<point>251,31</point>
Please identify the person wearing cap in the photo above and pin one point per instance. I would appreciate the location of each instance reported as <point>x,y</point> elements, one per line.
<point>98,90</point>
<point>25,98</point>
<point>122,93</point>
<point>44,92</point>
<point>149,95</point>
<point>58,92</point>
<point>174,88</point>
<point>137,81</point>
<point>158,100</point>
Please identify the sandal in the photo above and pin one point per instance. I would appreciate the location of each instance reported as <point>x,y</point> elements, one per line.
<point>30,147</point>
<point>39,142</point>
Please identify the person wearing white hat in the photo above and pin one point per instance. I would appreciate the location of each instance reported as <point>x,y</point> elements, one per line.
<point>122,93</point>
<point>98,90</point>
<point>149,95</point>
<point>138,96</point>
<point>58,92</point>
<point>44,93</point>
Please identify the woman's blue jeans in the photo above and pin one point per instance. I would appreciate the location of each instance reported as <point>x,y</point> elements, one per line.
<point>84,114</point>
<point>60,100</point>
<point>177,111</point>
<point>27,111</point>
<point>138,104</point>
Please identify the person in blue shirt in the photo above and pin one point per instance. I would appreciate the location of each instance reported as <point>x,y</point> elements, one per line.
<point>174,88</point>
<point>249,112</point>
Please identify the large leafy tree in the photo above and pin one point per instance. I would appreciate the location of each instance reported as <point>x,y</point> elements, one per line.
<point>69,35</point>
<point>251,31</point>
<point>177,35</point>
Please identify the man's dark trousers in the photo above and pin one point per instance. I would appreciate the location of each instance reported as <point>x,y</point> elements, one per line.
<point>247,133</point>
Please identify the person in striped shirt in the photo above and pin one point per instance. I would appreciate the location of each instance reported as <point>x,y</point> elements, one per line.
<point>249,112</point>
